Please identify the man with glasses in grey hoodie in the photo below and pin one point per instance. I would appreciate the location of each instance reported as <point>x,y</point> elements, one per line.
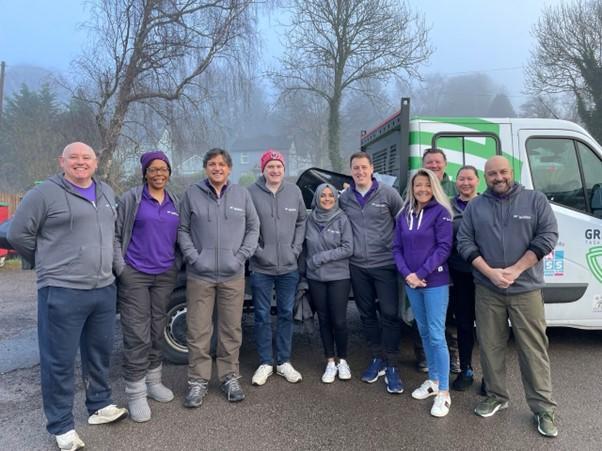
<point>64,227</point>
<point>282,214</point>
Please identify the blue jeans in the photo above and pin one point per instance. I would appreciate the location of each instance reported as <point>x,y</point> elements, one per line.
<point>68,318</point>
<point>430,308</point>
<point>263,287</point>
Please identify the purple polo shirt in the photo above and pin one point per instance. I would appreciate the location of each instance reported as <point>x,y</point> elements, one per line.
<point>88,193</point>
<point>362,200</point>
<point>152,247</point>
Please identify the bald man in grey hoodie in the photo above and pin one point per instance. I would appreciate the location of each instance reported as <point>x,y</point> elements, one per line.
<point>65,227</point>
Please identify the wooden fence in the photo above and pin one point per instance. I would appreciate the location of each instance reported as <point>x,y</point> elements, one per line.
<point>12,200</point>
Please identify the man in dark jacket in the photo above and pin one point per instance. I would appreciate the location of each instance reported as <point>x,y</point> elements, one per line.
<point>65,226</point>
<point>371,208</point>
<point>505,233</point>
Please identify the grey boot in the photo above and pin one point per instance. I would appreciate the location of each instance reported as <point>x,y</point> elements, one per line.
<point>156,390</point>
<point>137,403</point>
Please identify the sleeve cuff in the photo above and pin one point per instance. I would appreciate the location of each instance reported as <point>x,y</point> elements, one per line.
<point>472,256</point>
<point>539,253</point>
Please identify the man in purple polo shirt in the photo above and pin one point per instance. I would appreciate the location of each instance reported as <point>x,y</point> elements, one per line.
<point>145,262</point>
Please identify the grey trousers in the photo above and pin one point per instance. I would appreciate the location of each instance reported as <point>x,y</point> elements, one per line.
<point>201,299</point>
<point>526,313</point>
<point>143,300</point>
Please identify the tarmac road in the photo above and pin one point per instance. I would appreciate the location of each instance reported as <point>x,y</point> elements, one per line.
<point>308,415</point>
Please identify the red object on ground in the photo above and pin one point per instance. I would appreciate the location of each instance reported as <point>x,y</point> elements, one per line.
<point>3,217</point>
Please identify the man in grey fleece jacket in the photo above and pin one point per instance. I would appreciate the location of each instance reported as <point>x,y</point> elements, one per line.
<point>282,214</point>
<point>505,233</point>
<point>65,227</point>
<point>218,231</point>
<point>371,208</point>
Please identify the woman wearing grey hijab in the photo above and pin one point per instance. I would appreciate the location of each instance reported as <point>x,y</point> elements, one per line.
<point>328,246</point>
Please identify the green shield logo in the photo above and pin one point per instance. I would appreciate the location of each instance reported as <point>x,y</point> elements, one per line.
<point>593,263</point>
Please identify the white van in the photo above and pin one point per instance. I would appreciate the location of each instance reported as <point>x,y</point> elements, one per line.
<point>556,157</point>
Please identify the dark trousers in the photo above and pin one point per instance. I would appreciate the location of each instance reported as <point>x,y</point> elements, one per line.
<point>143,300</point>
<point>370,284</point>
<point>462,296</point>
<point>68,318</point>
<point>330,301</point>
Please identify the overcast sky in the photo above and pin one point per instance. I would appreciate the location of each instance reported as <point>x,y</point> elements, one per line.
<point>490,36</point>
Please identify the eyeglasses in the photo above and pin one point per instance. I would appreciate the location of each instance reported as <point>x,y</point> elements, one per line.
<point>153,171</point>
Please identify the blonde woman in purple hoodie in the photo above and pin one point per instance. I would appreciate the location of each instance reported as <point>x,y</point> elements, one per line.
<point>422,244</point>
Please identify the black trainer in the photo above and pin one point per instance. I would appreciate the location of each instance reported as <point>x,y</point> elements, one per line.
<point>464,380</point>
<point>483,389</point>
<point>197,390</point>
<point>232,389</point>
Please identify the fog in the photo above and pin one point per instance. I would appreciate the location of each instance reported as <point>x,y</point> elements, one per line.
<point>480,50</point>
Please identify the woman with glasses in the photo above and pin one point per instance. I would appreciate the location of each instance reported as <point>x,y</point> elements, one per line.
<point>145,264</point>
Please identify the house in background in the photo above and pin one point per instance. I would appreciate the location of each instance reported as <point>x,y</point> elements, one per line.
<point>246,155</point>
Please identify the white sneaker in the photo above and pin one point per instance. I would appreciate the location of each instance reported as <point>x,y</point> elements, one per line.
<point>428,388</point>
<point>330,373</point>
<point>262,373</point>
<point>69,441</point>
<point>108,414</point>
<point>344,370</point>
<point>441,405</point>
<point>287,371</point>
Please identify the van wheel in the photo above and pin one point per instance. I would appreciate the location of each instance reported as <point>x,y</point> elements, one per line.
<point>173,344</point>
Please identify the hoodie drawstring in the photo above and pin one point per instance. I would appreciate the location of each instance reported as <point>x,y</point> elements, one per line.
<point>411,223</point>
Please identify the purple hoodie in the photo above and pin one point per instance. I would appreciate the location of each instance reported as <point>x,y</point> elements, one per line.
<point>423,242</point>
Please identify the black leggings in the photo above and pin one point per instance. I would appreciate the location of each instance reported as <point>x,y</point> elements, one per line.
<point>462,295</point>
<point>330,301</point>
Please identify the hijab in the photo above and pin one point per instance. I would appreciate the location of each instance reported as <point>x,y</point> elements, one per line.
<point>320,215</point>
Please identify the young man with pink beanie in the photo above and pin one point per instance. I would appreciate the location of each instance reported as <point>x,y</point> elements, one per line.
<point>282,214</point>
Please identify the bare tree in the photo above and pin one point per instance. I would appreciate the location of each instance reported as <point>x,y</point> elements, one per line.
<point>154,51</point>
<point>568,57</point>
<point>333,45</point>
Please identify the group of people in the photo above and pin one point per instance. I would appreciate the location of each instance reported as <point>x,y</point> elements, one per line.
<point>90,248</point>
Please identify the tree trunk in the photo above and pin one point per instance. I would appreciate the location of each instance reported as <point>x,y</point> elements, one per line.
<point>334,131</point>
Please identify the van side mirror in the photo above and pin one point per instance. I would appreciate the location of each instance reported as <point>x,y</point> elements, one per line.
<point>596,200</point>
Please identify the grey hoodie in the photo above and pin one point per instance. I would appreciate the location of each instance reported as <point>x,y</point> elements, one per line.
<point>282,215</point>
<point>502,229</point>
<point>68,237</point>
<point>372,225</point>
<point>216,235</point>
<point>328,249</point>
<point>127,209</point>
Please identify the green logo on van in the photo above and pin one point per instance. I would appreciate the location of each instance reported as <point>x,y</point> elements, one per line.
<point>593,262</point>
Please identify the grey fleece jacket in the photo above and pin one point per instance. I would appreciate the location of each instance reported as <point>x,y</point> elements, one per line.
<point>127,209</point>
<point>66,237</point>
<point>327,249</point>
<point>282,216</point>
<point>372,225</point>
<point>216,235</point>
<point>502,229</point>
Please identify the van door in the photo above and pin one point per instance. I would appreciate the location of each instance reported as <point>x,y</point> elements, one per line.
<point>567,167</point>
